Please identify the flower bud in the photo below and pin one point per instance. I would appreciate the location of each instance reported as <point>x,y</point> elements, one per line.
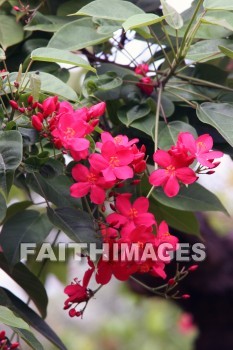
<point>146,85</point>
<point>36,123</point>
<point>185,296</point>
<point>14,104</point>
<point>171,282</point>
<point>193,268</point>
<point>142,69</point>
<point>21,109</point>
<point>16,8</point>
<point>97,110</point>
<point>72,312</point>
<point>30,99</point>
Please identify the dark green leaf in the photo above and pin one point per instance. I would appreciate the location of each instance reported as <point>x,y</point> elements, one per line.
<point>2,207</point>
<point>141,20</point>
<point>29,338</point>
<point>206,50</point>
<point>168,135</point>
<point>218,115</point>
<point>28,315</point>
<point>56,190</point>
<point>29,282</point>
<point>16,208</point>
<point>137,112</point>
<point>24,227</point>
<point>10,319</point>
<point>193,198</point>
<point>77,224</point>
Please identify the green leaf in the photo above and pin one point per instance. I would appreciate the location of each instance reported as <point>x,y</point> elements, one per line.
<point>48,24</point>
<point>172,17</point>
<point>2,55</point>
<point>118,10</point>
<point>29,316</point>
<point>205,31</point>
<point>10,319</point>
<point>16,208</point>
<point>103,82</point>
<point>218,5</point>
<point>47,54</point>
<point>192,198</point>
<point>227,52</point>
<point>219,18</point>
<point>77,224</point>
<point>29,282</point>
<point>11,32</point>
<point>168,135</point>
<point>141,20</point>
<point>137,112</point>
<point>206,50</point>
<point>29,338</point>
<point>145,124</point>
<point>11,146</point>
<point>28,226</point>
<point>56,190</point>
<point>78,35</point>
<point>3,207</point>
<point>183,221</point>
<point>220,116</point>
<point>70,6</point>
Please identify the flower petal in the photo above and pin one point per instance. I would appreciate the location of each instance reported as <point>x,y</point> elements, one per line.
<point>186,175</point>
<point>141,204</point>
<point>80,189</point>
<point>80,172</point>
<point>123,172</point>
<point>158,177</point>
<point>97,194</point>
<point>162,158</point>
<point>171,186</point>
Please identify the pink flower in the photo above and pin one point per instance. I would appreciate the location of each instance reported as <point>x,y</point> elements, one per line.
<point>201,148</point>
<point>113,162</point>
<point>97,110</point>
<point>171,173</point>
<point>89,181</point>
<point>163,236</point>
<point>50,105</point>
<point>127,213</point>
<point>119,140</point>
<point>146,85</point>
<point>142,69</point>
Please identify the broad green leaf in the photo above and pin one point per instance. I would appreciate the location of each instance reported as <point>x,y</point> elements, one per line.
<point>219,18</point>
<point>28,226</point>
<point>172,17</point>
<point>137,112</point>
<point>118,10</point>
<point>10,319</point>
<point>220,116</point>
<point>56,190</point>
<point>70,6</point>
<point>145,124</point>
<point>106,26</point>
<point>206,50</point>
<point>78,35</point>
<point>3,207</point>
<point>103,82</point>
<point>46,23</point>
<point>205,31</point>
<point>11,32</point>
<point>47,54</point>
<point>141,20</point>
<point>227,52</point>
<point>28,315</point>
<point>29,338</point>
<point>77,224</point>
<point>2,55</point>
<point>168,135</point>
<point>51,85</point>
<point>29,282</point>
<point>192,198</point>
<point>183,221</point>
<point>218,5</point>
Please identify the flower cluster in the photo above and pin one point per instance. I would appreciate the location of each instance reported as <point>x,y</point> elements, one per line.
<point>145,83</point>
<point>132,238</point>
<point>5,344</point>
<point>174,164</point>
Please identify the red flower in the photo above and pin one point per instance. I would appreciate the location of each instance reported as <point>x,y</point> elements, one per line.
<point>113,162</point>
<point>146,85</point>
<point>89,181</point>
<point>119,140</point>
<point>49,106</point>
<point>171,174</point>
<point>201,148</point>
<point>134,214</point>
<point>142,69</point>
<point>79,293</point>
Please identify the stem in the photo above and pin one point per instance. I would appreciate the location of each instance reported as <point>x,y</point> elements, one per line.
<point>203,82</point>
<point>4,107</point>
<point>168,39</point>
<point>183,43</point>
<point>161,46</point>
<point>160,89</point>
<point>149,193</point>
<point>5,66</point>
<point>25,74</point>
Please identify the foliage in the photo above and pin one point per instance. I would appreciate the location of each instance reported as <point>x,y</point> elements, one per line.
<point>183,90</point>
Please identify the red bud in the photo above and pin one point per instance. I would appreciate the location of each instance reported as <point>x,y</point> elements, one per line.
<point>171,282</point>
<point>14,104</point>
<point>16,8</point>
<point>21,109</point>
<point>185,296</point>
<point>193,268</point>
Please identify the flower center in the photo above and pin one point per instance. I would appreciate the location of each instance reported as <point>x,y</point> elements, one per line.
<point>170,170</point>
<point>114,161</point>
<point>70,132</point>
<point>133,213</point>
<point>92,178</point>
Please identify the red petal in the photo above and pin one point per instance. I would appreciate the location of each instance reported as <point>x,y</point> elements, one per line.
<point>80,189</point>
<point>162,158</point>
<point>186,175</point>
<point>141,204</point>
<point>98,162</point>
<point>123,172</point>
<point>97,194</point>
<point>123,205</point>
<point>104,272</point>
<point>171,187</point>
<point>80,172</point>
<point>158,177</point>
